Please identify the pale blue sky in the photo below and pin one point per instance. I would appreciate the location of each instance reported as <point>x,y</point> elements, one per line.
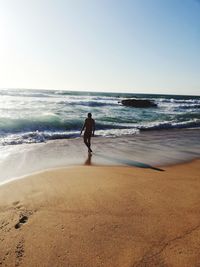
<point>150,46</point>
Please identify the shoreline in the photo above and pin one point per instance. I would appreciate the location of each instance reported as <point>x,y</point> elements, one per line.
<point>59,168</point>
<point>102,216</point>
<point>146,149</point>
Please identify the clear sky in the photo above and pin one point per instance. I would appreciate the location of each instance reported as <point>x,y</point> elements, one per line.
<point>150,46</point>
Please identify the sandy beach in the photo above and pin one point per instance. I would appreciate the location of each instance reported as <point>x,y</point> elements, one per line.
<point>102,216</point>
<point>99,133</point>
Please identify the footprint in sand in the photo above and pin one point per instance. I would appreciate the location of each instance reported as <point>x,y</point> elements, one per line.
<point>23,216</point>
<point>22,220</point>
<point>19,252</point>
<point>17,205</point>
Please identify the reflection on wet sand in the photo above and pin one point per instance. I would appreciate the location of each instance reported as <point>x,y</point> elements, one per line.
<point>88,160</point>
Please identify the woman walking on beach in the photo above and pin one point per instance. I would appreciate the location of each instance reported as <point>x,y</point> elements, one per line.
<point>89,127</point>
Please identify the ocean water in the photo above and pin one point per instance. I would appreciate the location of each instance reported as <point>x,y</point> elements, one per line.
<point>40,129</point>
<point>32,116</point>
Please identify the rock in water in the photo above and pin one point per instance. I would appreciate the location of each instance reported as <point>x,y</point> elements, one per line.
<point>138,103</point>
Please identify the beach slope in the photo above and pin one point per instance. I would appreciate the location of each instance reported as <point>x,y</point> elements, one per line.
<point>102,216</point>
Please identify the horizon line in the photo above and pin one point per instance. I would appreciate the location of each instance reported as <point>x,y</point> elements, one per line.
<point>91,91</point>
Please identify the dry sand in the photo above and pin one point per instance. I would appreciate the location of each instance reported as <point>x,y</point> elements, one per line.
<point>102,216</point>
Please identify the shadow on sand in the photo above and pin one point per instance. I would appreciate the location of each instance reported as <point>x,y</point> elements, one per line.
<point>129,162</point>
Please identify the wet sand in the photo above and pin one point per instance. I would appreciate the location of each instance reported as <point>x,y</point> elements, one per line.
<point>155,148</point>
<point>102,216</point>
